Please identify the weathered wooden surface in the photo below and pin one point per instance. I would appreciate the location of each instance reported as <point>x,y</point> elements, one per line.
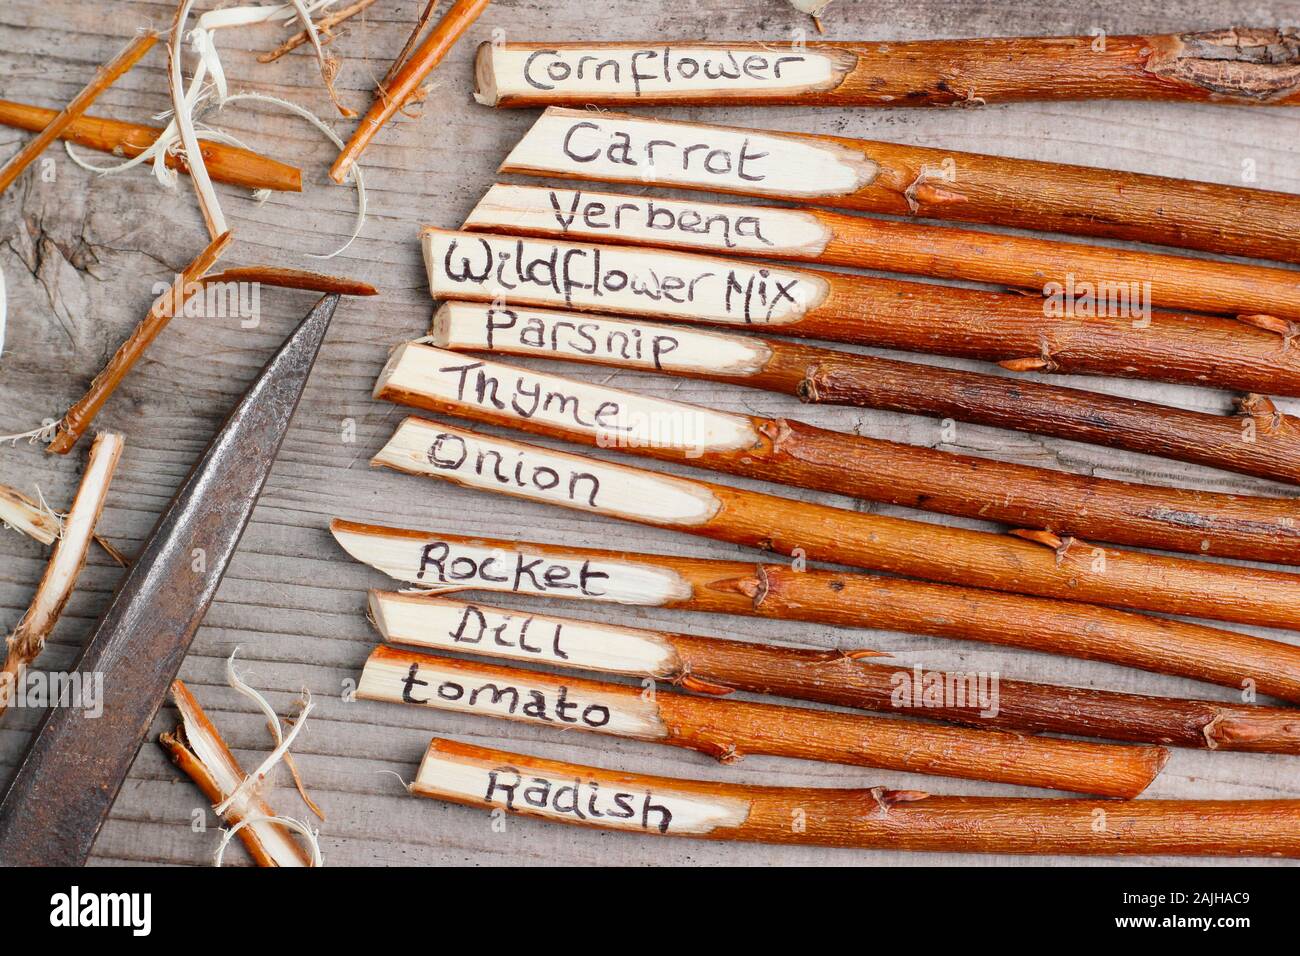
<point>81,255</point>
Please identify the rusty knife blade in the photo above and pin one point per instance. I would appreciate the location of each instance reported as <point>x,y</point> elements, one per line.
<point>70,776</point>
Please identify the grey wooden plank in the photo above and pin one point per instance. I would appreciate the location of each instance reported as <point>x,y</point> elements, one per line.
<point>81,255</point>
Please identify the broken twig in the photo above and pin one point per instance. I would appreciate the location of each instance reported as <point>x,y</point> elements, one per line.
<point>165,307</point>
<point>65,565</point>
<point>198,750</point>
<point>105,77</point>
<point>393,95</point>
<point>325,24</point>
<point>226,163</point>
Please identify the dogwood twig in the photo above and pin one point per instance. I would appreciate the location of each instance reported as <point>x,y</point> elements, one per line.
<point>711,665</point>
<point>105,76</point>
<point>392,96</point>
<point>325,24</point>
<point>226,163</point>
<point>437,562</point>
<point>731,729</point>
<point>877,818</point>
<point>65,564</point>
<point>199,751</point>
<point>165,307</point>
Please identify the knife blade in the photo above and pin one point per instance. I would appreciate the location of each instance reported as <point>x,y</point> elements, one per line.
<point>71,774</point>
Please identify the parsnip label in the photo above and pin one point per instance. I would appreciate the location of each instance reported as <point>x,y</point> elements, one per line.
<point>617,148</point>
<point>461,383</point>
<point>653,73</point>
<point>538,474</point>
<point>519,635</point>
<point>440,564</point>
<point>512,694</point>
<point>603,801</point>
<point>594,338</point>
<point>606,217</point>
<point>465,265</point>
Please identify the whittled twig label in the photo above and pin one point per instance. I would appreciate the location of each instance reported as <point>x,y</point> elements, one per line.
<point>519,635</point>
<point>545,333</point>
<point>515,74</point>
<point>464,265</point>
<point>466,688</point>
<point>462,384</point>
<point>613,147</point>
<point>600,800</point>
<point>437,563</point>
<point>615,217</point>
<point>538,474</point>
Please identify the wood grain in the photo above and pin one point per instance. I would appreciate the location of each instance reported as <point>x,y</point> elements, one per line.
<point>81,256</point>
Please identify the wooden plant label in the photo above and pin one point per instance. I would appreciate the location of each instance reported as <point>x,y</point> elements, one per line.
<point>616,418</point>
<point>498,465</point>
<point>464,265</point>
<point>442,624</point>
<point>650,220</point>
<point>597,797</point>
<point>469,688</point>
<point>516,74</point>
<point>473,326</point>
<point>449,564</point>
<point>617,148</point>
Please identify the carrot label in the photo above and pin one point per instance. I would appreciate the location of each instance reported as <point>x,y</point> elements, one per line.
<point>477,388</point>
<point>612,217</point>
<point>594,338</point>
<point>602,800</point>
<point>518,635</point>
<point>464,265</point>
<point>516,74</point>
<point>617,148</point>
<point>538,474</point>
<point>439,564</point>
<point>513,695</point>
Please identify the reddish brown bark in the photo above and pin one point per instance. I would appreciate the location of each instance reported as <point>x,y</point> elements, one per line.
<point>837,677</point>
<point>393,95</point>
<point>912,820</point>
<point>1098,509</point>
<point>840,599</point>
<point>1260,441</point>
<point>732,729</point>
<point>1242,66</point>
<point>78,418</point>
<point>227,164</point>
<point>1041,196</point>
<point>1146,279</point>
<point>718,666</point>
<point>104,77</point>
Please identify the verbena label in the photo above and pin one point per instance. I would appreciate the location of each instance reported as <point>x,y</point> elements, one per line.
<point>605,217</point>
